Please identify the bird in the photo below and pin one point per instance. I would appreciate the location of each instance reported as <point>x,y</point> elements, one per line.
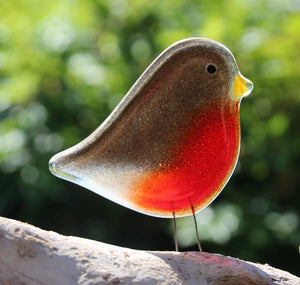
<point>172,143</point>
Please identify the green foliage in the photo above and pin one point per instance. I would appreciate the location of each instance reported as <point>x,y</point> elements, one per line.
<point>64,65</point>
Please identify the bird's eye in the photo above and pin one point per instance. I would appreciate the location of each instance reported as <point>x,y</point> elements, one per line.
<point>211,69</point>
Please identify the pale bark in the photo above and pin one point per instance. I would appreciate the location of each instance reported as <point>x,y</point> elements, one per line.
<point>29,255</point>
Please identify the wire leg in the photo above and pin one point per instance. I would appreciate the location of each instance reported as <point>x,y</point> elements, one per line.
<point>196,229</point>
<point>175,232</point>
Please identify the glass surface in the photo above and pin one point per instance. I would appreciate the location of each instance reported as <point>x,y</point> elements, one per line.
<point>173,141</point>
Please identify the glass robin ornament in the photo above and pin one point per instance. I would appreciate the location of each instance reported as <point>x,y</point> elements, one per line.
<point>172,143</point>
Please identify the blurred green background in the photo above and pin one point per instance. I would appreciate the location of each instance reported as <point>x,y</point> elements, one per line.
<point>65,64</point>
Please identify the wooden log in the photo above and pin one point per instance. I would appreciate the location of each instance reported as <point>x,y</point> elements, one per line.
<point>29,255</point>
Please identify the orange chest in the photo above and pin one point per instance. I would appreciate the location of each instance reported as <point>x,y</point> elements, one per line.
<point>200,166</point>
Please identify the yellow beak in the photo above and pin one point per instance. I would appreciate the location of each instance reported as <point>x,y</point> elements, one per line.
<point>241,87</point>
